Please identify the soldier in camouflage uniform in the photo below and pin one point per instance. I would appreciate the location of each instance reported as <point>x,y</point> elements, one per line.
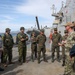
<point>56,37</point>
<point>33,46</point>
<point>63,47</point>
<point>41,39</point>
<point>68,44</point>
<point>7,45</point>
<point>22,49</point>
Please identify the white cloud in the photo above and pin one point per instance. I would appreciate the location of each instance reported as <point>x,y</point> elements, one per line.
<point>35,7</point>
<point>40,8</point>
<point>14,27</point>
<point>7,17</point>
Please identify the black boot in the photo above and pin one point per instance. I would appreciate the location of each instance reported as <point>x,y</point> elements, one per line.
<point>1,69</point>
<point>20,62</point>
<point>63,64</point>
<point>38,61</point>
<point>44,58</point>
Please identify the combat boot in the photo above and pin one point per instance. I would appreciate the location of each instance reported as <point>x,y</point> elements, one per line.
<point>45,60</point>
<point>35,55</point>
<point>20,62</point>
<point>5,65</point>
<point>52,59</point>
<point>1,69</point>
<point>58,59</point>
<point>32,60</point>
<point>63,64</point>
<point>38,61</point>
<point>11,63</point>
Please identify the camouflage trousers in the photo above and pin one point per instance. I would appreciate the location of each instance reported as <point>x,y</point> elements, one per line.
<point>53,51</point>
<point>33,51</point>
<point>69,66</point>
<point>43,50</point>
<point>63,53</point>
<point>22,53</point>
<point>7,53</point>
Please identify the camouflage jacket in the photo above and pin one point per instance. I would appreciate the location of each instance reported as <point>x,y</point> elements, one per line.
<point>70,40</point>
<point>22,36</point>
<point>8,40</point>
<point>33,40</point>
<point>64,37</point>
<point>56,38</point>
<point>41,39</point>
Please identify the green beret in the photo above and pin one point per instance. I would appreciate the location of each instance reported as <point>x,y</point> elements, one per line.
<point>22,28</point>
<point>7,29</point>
<point>55,29</point>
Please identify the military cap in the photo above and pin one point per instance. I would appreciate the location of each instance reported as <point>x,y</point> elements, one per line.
<point>69,24</point>
<point>33,33</point>
<point>73,23</point>
<point>55,29</point>
<point>65,31</point>
<point>22,28</point>
<point>42,30</point>
<point>7,29</point>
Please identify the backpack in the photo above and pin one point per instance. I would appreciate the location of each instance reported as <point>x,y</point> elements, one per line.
<point>5,40</point>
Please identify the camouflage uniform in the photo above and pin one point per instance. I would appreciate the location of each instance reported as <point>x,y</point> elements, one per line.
<point>69,43</point>
<point>63,47</point>
<point>7,45</point>
<point>41,39</point>
<point>22,45</point>
<point>33,46</point>
<point>69,62</point>
<point>55,40</point>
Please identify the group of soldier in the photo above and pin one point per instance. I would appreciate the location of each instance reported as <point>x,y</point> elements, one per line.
<point>67,42</point>
<point>21,38</point>
<point>38,45</point>
<point>56,40</point>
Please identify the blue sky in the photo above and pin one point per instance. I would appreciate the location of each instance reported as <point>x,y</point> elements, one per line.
<point>17,13</point>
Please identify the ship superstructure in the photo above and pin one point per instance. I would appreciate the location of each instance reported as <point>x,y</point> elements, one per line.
<point>66,14</point>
